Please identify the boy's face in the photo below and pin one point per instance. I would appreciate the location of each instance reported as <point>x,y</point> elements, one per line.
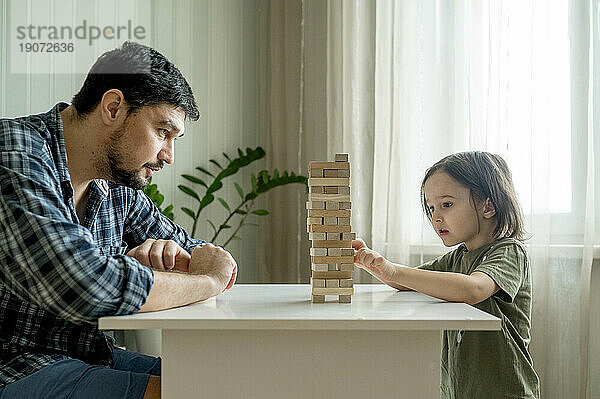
<point>454,215</point>
<point>143,144</point>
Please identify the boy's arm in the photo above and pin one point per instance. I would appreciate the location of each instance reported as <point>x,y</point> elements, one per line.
<point>452,287</point>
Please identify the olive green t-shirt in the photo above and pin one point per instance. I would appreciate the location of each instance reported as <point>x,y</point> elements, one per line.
<point>491,364</point>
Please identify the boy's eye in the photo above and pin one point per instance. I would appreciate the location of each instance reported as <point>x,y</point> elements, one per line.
<point>446,204</point>
<point>431,209</point>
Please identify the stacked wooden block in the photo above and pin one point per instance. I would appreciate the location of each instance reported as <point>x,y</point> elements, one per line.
<point>328,226</point>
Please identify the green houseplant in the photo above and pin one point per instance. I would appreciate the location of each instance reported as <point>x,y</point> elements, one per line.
<point>212,182</point>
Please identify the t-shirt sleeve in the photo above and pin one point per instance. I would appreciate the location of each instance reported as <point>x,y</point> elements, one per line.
<point>505,264</point>
<point>440,264</point>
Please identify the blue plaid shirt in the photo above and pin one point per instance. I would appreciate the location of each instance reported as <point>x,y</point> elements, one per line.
<point>59,274</point>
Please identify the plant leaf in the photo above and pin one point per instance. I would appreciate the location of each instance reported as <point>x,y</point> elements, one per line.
<point>225,226</point>
<point>159,199</point>
<point>254,182</point>
<point>251,196</point>
<point>239,211</point>
<point>205,171</point>
<point>217,184</point>
<point>206,200</point>
<point>194,179</point>
<point>212,225</point>
<point>224,203</point>
<point>189,191</point>
<point>227,157</point>
<point>188,212</point>
<point>260,212</point>
<point>216,163</point>
<point>239,190</point>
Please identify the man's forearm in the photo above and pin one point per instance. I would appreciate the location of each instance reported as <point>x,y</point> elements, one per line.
<point>171,290</point>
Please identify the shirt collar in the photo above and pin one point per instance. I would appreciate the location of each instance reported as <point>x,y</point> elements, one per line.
<point>54,124</point>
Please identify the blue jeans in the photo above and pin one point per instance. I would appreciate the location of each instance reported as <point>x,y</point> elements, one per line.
<point>74,379</point>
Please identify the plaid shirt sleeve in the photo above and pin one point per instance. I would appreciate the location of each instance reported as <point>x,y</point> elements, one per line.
<point>51,261</point>
<point>145,221</point>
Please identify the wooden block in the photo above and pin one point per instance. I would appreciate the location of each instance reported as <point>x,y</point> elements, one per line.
<point>319,228</point>
<point>343,221</point>
<point>346,252</point>
<point>330,221</point>
<point>330,190</point>
<point>333,251</point>
<point>332,205</point>
<point>348,236</point>
<point>331,197</point>
<point>331,243</point>
<point>314,220</point>
<point>318,298</point>
<point>332,267</point>
<point>344,283</point>
<point>345,266</point>
<point>328,165</point>
<point>342,205</point>
<point>343,190</point>
<point>329,181</point>
<point>344,299</point>
<point>341,157</point>
<point>319,267</point>
<point>316,190</point>
<point>315,205</point>
<point>332,259</point>
<point>343,173</point>
<point>332,283</point>
<point>316,173</point>
<point>317,236</point>
<point>334,236</point>
<point>330,173</point>
<point>332,274</point>
<point>319,252</point>
<point>317,282</point>
<point>329,213</point>
<point>333,291</point>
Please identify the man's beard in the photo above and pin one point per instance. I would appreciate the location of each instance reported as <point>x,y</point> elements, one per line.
<point>115,161</point>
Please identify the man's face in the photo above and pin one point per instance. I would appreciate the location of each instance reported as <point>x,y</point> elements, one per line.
<point>142,145</point>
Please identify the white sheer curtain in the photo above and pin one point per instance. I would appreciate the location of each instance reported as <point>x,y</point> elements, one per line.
<point>410,82</point>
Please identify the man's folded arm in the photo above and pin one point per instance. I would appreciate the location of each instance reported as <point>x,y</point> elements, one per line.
<point>51,261</point>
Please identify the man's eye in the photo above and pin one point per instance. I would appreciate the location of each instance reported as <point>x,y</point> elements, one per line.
<point>163,132</point>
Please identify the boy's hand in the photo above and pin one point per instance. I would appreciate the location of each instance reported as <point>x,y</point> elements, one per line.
<point>371,261</point>
<point>162,255</point>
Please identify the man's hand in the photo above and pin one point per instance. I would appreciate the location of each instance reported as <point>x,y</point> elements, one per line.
<point>162,255</point>
<point>215,263</point>
<point>371,261</point>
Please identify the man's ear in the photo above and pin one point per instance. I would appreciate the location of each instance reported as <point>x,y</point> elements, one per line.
<point>489,210</point>
<point>113,109</point>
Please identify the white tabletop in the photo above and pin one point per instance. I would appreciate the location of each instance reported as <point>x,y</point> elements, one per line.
<point>288,306</point>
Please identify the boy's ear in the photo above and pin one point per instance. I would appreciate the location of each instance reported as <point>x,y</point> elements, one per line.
<point>489,210</point>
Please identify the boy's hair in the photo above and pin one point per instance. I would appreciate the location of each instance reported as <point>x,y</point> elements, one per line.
<point>144,76</point>
<point>487,176</point>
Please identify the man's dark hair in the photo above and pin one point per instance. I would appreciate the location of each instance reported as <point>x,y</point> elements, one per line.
<point>144,76</point>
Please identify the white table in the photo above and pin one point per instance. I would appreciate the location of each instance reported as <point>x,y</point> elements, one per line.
<point>270,341</point>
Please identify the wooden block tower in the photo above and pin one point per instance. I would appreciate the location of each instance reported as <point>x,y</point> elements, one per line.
<point>328,226</point>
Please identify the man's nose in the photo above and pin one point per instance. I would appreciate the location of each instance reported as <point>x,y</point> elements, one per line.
<point>167,153</point>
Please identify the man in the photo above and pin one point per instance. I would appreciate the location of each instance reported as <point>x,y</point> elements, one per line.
<point>81,241</point>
